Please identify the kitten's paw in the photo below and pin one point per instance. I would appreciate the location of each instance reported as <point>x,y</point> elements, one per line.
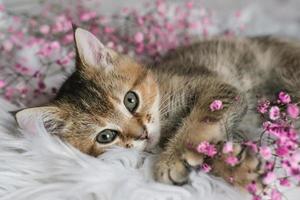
<point>249,168</point>
<point>174,168</point>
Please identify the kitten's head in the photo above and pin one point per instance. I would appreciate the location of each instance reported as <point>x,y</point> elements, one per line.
<point>109,100</point>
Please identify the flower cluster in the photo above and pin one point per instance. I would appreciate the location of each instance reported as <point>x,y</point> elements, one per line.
<point>278,146</point>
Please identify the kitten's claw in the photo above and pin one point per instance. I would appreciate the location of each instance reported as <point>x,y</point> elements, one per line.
<point>171,172</point>
<point>175,169</point>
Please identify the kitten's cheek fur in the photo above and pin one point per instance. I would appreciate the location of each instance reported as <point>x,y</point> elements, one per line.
<point>154,135</point>
<point>154,126</point>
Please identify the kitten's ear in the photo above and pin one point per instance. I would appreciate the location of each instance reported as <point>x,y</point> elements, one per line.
<point>90,51</point>
<point>28,118</point>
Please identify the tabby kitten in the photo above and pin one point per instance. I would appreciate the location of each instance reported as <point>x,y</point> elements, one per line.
<point>113,100</point>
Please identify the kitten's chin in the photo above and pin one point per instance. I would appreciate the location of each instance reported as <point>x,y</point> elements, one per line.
<point>152,141</point>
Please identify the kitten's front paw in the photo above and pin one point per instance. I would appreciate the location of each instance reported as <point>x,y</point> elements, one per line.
<point>174,168</point>
<point>249,168</point>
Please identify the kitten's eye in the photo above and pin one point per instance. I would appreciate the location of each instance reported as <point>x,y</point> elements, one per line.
<point>106,136</point>
<point>131,101</point>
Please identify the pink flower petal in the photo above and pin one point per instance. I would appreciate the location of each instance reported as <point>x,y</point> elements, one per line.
<point>2,84</point>
<point>269,178</point>
<point>207,149</point>
<point>265,152</point>
<point>284,182</point>
<point>274,113</point>
<point>284,97</point>
<point>206,168</point>
<point>275,195</point>
<point>139,37</point>
<point>2,7</point>
<point>263,106</point>
<point>293,111</point>
<point>251,188</point>
<point>7,45</point>
<point>45,29</point>
<point>228,147</point>
<point>231,160</point>
<point>216,105</point>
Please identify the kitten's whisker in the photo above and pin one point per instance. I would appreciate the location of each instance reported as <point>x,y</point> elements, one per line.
<point>174,105</point>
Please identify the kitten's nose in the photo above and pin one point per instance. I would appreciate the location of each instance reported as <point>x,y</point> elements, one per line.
<point>135,129</point>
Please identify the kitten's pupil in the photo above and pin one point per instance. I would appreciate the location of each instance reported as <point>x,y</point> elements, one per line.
<point>106,136</point>
<point>131,101</point>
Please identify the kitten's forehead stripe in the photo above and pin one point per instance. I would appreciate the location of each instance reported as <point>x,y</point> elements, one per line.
<point>85,95</point>
<point>141,78</point>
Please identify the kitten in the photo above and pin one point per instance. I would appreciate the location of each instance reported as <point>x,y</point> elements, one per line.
<point>113,100</point>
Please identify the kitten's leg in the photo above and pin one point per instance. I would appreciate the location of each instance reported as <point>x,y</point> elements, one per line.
<point>284,64</point>
<point>201,125</point>
<point>288,73</point>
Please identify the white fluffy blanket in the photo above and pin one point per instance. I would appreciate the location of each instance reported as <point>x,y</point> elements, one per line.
<point>37,166</point>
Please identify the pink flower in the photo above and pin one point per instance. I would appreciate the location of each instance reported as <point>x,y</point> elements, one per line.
<point>161,6</point>
<point>282,151</point>
<point>64,60</point>
<point>269,178</point>
<point>251,188</point>
<point>231,160</point>
<point>274,113</point>
<point>269,165</point>
<point>139,37</point>
<point>9,92</point>
<point>207,149</point>
<point>7,45</point>
<point>275,195</point>
<point>2,84</point>
<point>48,48</point>
<point>86,16</point>
<point>108,29</point>
<point>216,105</point>
<point>263,106</point>
<point>294,159</point>
<point>2,7</point>
<point>68,38</point>
<point>275,129</point>
<point>265,152</point>
<point>140,48</point>
<point>228,147</point>
<point>189,4</point>
<point>206,168</point>
<point>62,24</point>
<point>293,111</point>
<point>256,197</point>
<point>284,182</point>
<point>45,29</point>
<point>284,97</point>
<point>41,85</point>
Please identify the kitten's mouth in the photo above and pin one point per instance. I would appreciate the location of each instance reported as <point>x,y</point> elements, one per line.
<point>150,142</point>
